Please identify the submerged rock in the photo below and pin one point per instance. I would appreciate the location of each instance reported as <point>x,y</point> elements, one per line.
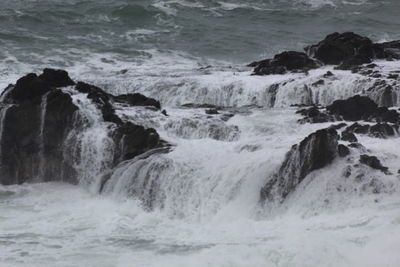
<point>316,151</point>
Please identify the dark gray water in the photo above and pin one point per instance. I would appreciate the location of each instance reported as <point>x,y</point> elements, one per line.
<point>64,33</point>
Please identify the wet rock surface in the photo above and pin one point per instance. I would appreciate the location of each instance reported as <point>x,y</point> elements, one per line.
<point>346,50</point>
<point>38,116</point>
<point>373,162</point>
<point>284,62</point>
<point>316,151</point>
<point>355,108</point>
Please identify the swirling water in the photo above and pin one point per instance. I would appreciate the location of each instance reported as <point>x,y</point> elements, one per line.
<point>205,209</point>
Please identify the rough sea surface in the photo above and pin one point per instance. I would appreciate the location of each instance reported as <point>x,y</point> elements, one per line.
<point>207,210</point>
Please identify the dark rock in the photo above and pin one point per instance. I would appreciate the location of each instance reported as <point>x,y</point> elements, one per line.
<point>338,126</point>
<point>382,130</point>
<point>316,151</point>
<point>391,49</point>
<point>314,115</point>
<point>328,74</point>
<point>336,47</point>
<point>32,138</point>
<point>357,146</point>
<point>349,137</point>
<point>38,139</point>
<point>29,87</point>
<point>133,140</point>
<point>283,62</point>
<point>101,99</point>
<point>137,100</point>
<point>353,61</point>
<point>343,150</point>
<point>212,111</point>
<point>56,78</point>
<point>354,108</point>
<point>383,114</point>
<point>371,66</point>
<point>108,113</point>
<point>357,128</point>
<point>164,112</point>
<point>373,162</point>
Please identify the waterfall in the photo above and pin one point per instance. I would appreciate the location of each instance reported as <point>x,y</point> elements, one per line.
<point>3,113</point>
<point>43,109</point>
<point>88,146</point>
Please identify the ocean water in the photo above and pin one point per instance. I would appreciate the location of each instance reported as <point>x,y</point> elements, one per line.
<point>101,35</point>
<point>206,209</point>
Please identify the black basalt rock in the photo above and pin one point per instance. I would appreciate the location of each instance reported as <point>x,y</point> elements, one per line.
<point>30,88</point>
<point>349,137</point>
<point>383,130</point>
<point>133,140</point>
<point>40,122</point>
<point>283,62</point>
<point>373,162</point>
<point>316,151</point>
<point>353,61</point>
<point>56,78</point>
<point>314,115</point>
<point>354,108</point>
<point>137,100</point>
<point>358,128</point>
<point>337,47</point>
<point>32,138</point>
<point>343,150</point>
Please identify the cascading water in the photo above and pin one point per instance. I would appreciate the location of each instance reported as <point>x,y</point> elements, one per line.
<point>88,146</point>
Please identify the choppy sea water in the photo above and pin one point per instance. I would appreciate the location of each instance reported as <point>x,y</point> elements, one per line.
<point>208,212</point>
<point>106,35</point>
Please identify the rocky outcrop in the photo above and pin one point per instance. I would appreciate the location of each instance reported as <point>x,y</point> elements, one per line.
<point>374,163</point>
<point>137,100</point>
<point>379,130</point>
<point>349,137</point>
<point>336,48</point>
<point>343,150</point>
<point>346,50</point>
<point>37,116</point>
<point>315,152</point>
<point>284,62</point>
<point>352,109</point>
<point>35,122</point>
<point>314,115</point>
